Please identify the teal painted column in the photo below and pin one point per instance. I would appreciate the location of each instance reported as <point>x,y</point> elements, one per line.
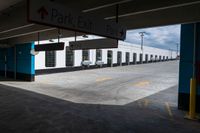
<point>25,62</point>
<point>2,62</point>
<point>6,52</point>
<point>186,65</point>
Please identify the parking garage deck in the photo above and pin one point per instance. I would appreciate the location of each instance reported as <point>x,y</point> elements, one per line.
<point>100,100</point>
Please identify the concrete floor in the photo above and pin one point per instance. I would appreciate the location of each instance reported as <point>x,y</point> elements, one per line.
<point>131,99</point>
<point>110,86</point>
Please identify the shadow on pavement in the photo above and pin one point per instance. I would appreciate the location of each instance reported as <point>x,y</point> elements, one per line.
<point>28,112</point>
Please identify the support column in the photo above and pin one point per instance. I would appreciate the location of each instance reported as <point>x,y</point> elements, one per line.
<point>2,62</point>
<point>188,39</point>
<point>25,62</point>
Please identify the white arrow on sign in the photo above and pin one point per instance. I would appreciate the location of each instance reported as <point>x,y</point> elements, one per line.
<point>52,14</point>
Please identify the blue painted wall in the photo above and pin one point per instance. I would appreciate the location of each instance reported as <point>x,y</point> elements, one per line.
<point>8,52</point>
<point>198,60</point>
<point>10,59</point>
<point>1,59</point>
<point>25,62</point>
<point>185,71</point>
<point>186,60</point>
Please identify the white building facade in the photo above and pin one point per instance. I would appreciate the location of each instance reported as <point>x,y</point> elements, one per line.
<point>125,54</point>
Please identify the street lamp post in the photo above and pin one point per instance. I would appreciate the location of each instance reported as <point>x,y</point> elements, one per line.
<point>170,52</point>
<point>142,42</point>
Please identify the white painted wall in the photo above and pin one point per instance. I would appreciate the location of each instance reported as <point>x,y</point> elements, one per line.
<point>78,58</point>
<point>123,47</point>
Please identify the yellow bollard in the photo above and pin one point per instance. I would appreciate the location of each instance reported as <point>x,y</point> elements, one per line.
<point>192,106</point>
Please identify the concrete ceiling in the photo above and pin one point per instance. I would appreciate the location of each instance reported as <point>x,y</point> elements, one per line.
<point>132,13</point>
<point>4,4</point>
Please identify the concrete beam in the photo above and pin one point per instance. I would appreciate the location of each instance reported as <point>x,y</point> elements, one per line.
<point>8,3</point>
<point>13,18</point>
<point>90,5</point>
<point>24,31</point>
<point>138,6</point>
<point>44,35</point>
<point>180,15</point>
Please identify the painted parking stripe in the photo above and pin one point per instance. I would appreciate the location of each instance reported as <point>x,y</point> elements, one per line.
<point>141,84</point>
<point>103,79</point>
<point>168,109</point>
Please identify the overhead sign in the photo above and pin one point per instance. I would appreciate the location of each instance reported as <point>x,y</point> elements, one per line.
<point>50,47</point>
<point>49,13</point>
<point>93,44</point>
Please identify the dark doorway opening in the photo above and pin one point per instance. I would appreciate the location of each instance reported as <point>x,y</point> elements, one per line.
<point>127,58</point>
<point>69,57</point>
<point>146,58</point>
<point>141,58</point>
<point>119,58</point>
<point>110,58</point>
<point>134,58</point>
<point>160,58</point>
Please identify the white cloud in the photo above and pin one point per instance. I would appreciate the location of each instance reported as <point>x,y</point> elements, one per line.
<point>161,37</point>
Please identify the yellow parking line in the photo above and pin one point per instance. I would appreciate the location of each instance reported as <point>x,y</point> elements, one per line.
<point>146,102</point>
<point>103,79</point>
<point>141,84</point>
<point>168,109</point>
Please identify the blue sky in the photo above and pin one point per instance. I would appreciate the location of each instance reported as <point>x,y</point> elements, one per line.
<point>160,37</point>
